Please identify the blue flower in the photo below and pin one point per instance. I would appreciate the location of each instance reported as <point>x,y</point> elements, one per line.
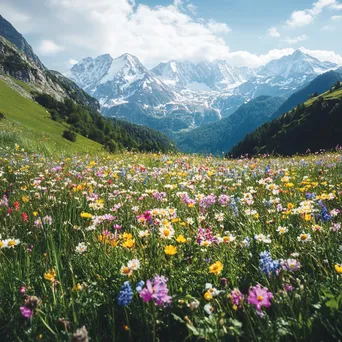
<point>267,264</point>
<point>140,286</point>
<point>126,294</point>
<point>325,216</point>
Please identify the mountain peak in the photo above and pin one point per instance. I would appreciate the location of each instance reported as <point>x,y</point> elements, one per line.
<point>298,53</point>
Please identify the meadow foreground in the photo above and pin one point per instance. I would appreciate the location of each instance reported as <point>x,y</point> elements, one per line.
<point>147,247</point>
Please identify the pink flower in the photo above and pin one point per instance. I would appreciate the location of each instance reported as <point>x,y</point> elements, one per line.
<point>236,297</point>
<point>259,296</point>
<point>157,291</point>
<point>26,312</point>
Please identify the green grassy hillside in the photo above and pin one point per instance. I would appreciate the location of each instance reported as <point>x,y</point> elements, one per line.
<point>30,125</point>
<point>313,125</point>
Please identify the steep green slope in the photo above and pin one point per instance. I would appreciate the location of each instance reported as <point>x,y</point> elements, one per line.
<point>319,85</point>
<point>31,125</point>
<point>220,136</point>
<point>314,125</point>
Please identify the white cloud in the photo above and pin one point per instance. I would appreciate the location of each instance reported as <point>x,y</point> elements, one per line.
<point>49,47</point>
<point>324,55</point>
<point>216,27</point>
<point>299,19</point>
<point>153,34</point>
<point>336,17</point>
<point>245,58</point>
<point>72,61</point>
<point>305,17</point>
<point>272,32</point>
<point>320,5</point>
<point>337,7</point>
<point>295,40</point>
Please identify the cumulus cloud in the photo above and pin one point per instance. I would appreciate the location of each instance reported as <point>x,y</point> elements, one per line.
<point>295,40</point>
<point>49,47</point>
<point>299,19</point>
<point>153,34</point>
<point>75,29</point>
<point>324,55</point>
<point>305,17</point>
<point>272,32</point>
<point>216,27</point>
<point>337,6</point>
<point>245,58</point>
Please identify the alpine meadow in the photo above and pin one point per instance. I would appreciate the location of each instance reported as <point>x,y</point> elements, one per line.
<point>170,170</point>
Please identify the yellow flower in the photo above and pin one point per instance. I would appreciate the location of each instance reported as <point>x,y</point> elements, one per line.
<point>35,213</point>
<point>25,199</point>
<point>170,250</point>
<point>127,236</point>
<point>208,296</point>
<point>216,268</point>
<point>181,239</point>
<point>307,217</point>
<point>86,215</point>
<point>50,275</point>
<point>338,268</point>
<point>129,243</point>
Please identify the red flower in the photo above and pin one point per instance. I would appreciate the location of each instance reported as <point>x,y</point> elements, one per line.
<point>24,217</point>
<point>16,206</point>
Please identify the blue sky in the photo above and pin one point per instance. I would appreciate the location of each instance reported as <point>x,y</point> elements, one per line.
<point>244,32</point>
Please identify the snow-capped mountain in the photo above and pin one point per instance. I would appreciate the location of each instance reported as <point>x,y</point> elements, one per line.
<point>284,76</point>
<point>120,80</point>
<point>217,75</point>
<point>296,64</point>
<point>182,95</point>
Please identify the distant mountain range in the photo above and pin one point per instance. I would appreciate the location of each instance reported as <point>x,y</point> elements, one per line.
<point>221,136</point>
<point>188,94</point>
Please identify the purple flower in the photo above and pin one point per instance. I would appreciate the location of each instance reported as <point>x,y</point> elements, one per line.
<point>157,291</point>
<point>208,201</point>
<point>291,265</point>
<point>236,297</point>
<point>26,312</point>
<point>288,287</point>
<point>260,297</point>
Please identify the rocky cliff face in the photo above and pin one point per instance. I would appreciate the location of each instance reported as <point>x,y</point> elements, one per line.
<point>16,64</point>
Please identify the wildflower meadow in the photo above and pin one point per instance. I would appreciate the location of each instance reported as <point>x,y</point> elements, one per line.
<point>153,247</point>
